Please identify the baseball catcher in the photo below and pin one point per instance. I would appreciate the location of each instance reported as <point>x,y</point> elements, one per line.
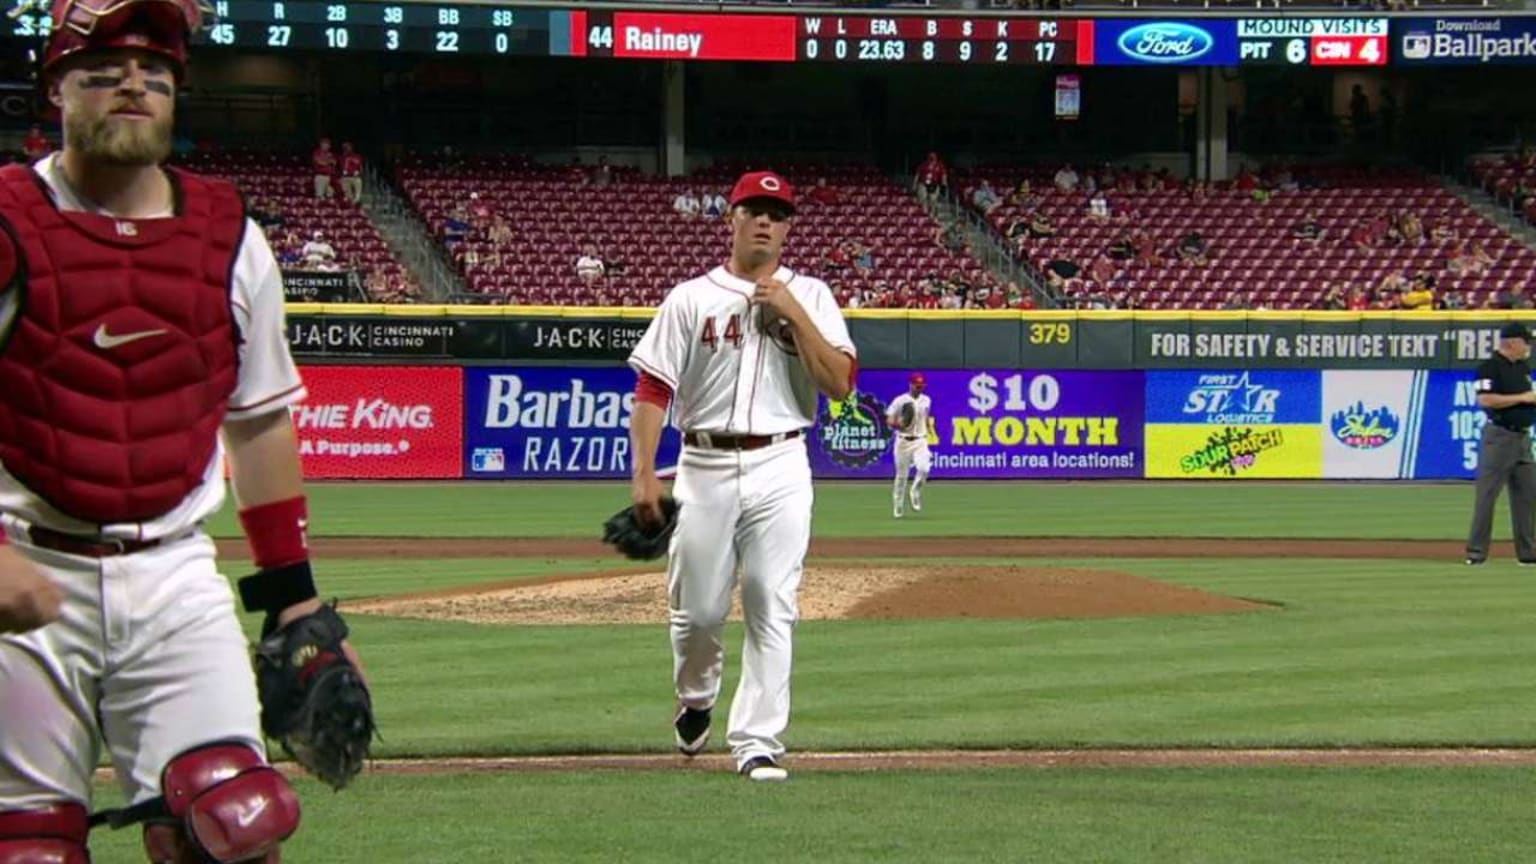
<point>638,538</point>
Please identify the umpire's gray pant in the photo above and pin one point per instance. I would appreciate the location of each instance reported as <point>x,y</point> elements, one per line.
<point>1505,457</point>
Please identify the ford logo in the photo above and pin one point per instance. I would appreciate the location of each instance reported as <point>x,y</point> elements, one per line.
<point>1165,42</point>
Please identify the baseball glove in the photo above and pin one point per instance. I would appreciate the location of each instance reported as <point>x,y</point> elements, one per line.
<point>624,531</point>
<point>907,416</point>
<point>313,700</point>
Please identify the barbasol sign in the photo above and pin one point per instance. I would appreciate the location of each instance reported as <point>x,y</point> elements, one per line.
<point>1165,43</point>
<point>1464,41</point>
<point>551,422</point>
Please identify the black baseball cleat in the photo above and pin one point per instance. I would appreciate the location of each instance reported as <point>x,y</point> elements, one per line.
<point>1526,562</point>
<point>1473,562</point>
<point>763,769</point>
<point>692,728</point>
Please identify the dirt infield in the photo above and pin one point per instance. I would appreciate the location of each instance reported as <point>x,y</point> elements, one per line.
<point>826,593</point>
<point>909,547</point>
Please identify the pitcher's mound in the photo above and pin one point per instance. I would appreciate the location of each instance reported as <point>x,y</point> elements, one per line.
<point>827,593</point>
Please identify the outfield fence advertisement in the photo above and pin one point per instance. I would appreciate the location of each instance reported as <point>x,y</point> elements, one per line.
<point>542,422</point>
<point>992,423</point>
<point>381,422</point>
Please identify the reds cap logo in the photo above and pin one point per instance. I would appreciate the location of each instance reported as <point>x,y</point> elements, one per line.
<point>763,184</point>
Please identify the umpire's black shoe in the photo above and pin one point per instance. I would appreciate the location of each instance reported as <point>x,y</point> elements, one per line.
<point>692,728</point>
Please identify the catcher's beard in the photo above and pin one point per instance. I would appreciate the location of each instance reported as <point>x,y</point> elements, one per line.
<point>111,142</point>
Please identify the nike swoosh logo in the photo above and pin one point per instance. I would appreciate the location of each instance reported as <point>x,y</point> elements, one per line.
<point>106,341</point>
<point>245,819</point>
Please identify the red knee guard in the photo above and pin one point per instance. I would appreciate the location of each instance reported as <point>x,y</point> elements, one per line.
<point>230,806</point>
<point>50,835</point>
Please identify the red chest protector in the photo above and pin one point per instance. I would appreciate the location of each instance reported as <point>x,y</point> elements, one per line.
<point>118,349</point>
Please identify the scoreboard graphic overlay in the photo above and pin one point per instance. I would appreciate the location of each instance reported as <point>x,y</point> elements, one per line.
<point>906,36</point>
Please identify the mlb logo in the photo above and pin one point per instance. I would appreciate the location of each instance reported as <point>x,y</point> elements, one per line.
<point>1417,46</point>
<point>488,459</point>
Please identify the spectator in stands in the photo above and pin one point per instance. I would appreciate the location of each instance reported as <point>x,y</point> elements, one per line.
<point>351,173</point>
<point>1238,300</point>
<point>984,198</point>
<point>602,173</point>
<point>862,256</point>
<point>323,162</point>
<point>590,266</point>
<point>36,145</point>
<point>686,204</point>
<point>1333,298</point>
<point>1197,190</point>
<point>1420,293</point>
<point>613,264</point>
<point>932,178</point>
<point>1193,249</point>
<point>1018,226</point>
<point>288,248</point>
<point>1098,207</point>
<point>480,212</point>
<point>1146,247</point>
<point>1453,300</point>
<point>713,205</point>
<point>1442,234</point>
<point>265,214</point>
<point>1308,230</point>
<point>1103,272</point>
<point>500,232</point>
<point>376,284</point>
<point>458,224</point>
<point>1066,178</point>
<point>1511,297</point>
<point>1041,225</point>
<point>1245,181</point>
<point>317,253</point>
<point>949,236</point>
<point>1358,299</point>
<point>1059,271</point>
<point>822,194</point>
<point>1122,248</point>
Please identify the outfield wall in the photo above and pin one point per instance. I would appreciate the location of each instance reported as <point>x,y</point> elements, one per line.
<point>567,417</point>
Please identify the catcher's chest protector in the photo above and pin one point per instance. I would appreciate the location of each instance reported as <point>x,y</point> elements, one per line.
<point>117,347</point>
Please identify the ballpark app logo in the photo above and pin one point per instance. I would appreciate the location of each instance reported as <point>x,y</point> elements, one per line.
<point>1166,42</point>
<point>852,431</point>
<point>1364,428</point>
<point>1229,451</point>
<point>1231,398</point>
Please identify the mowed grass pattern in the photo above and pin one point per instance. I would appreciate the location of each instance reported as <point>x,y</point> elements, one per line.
<point>1256,816</point>
<point>1087,509</point>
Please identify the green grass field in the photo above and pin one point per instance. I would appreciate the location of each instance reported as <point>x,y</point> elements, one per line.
<point>1355,653</point>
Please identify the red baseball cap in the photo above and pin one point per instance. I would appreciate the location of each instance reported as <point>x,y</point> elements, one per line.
<point>917,380</point>
<point>763,184</point>
<point>160,26</point>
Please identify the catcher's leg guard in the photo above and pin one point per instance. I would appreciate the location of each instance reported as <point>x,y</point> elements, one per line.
<point>50,835</point>
<point>226,805</point>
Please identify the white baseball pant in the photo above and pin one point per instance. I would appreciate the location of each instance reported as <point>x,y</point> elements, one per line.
<point>148,653</point>
<point>911,452</point>
<point>749,510</point>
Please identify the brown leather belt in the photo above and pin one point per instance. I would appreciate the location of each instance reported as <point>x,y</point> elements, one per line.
<point>88,547</point>
<point>711,441</point>
<point>911,437</point>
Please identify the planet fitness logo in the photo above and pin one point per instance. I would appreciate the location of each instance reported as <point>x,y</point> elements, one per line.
<point>1364,429</point>
<point>853,430</point>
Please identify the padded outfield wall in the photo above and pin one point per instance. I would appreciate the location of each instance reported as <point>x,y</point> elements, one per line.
<point>497,393</point>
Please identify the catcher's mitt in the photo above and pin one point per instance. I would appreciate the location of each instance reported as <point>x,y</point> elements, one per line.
<point>624,531</point>
<point>907,416</point>
<point>313,700</point>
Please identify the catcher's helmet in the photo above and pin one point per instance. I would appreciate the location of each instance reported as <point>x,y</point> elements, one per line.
<point>163,27</point>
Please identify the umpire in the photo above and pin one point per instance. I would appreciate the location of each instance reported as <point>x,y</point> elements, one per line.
<point>1504,392</point>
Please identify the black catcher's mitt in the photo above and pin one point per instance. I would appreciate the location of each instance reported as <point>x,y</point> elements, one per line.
<point>624,531</point>
<point>907,416</point>
<point>313,700</point>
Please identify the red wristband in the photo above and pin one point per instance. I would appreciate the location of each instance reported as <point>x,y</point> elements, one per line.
<point>277,532</point>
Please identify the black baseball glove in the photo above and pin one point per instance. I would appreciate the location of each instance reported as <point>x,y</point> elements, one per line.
<point>907,416</point>
<point>313,700</point>
<point>625,532</point>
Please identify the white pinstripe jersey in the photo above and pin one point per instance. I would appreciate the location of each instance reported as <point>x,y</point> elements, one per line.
<point>727,376</point>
